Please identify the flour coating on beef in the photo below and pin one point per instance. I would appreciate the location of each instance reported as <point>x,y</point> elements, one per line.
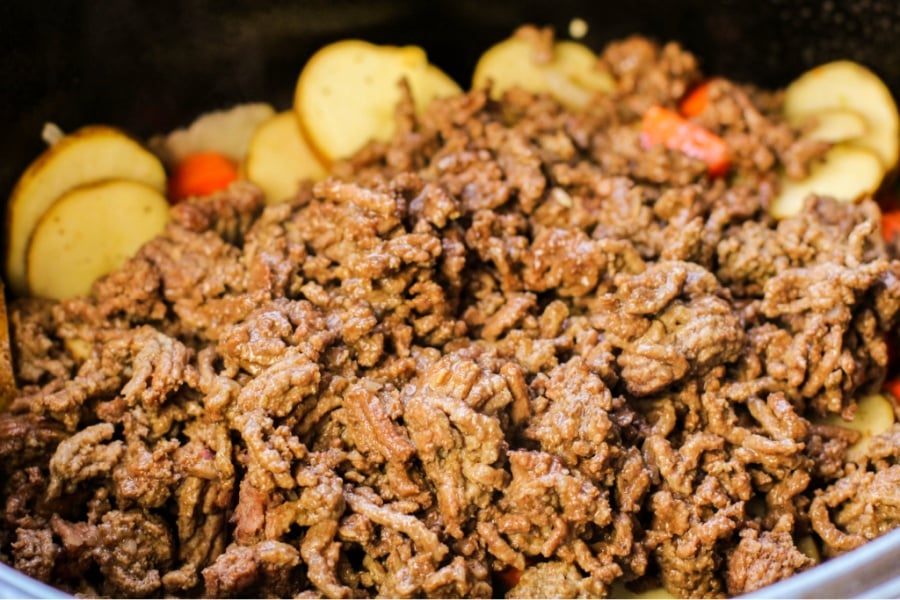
<point>507,352</point>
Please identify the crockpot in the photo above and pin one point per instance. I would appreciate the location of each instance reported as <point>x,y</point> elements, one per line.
<point>149,67</point>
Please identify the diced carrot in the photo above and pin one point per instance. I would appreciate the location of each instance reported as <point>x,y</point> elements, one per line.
<point>890,224</point>
<point>663,126</point>
<point>201,174</point>
<point>892,386</point>
<point>696,101</point>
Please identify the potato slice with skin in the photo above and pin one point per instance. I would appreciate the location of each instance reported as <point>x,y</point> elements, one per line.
<point>571,76</point>
<point>848,85</point>
<point>874,415</point>
<point>347,93</point>
<point>226,131</point>
<point>837,125</point>
<point>90,154</point>
<point>90,231</point>
<point>279,158</point>
<point>847,173</point>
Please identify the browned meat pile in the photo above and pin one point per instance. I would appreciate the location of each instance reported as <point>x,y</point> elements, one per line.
<point>509,348</point>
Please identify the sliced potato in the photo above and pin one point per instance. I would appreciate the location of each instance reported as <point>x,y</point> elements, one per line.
<point>571,75</point>
<point>348,90</point>
<point>847,173</point>
<point>848,85</point>
<point>78,348</point>
<point>279,158</point>
<point>90,231</point>
<point>434,83</point>
<point>88,155</point>
<point>837,125</point>
<point>807,545</point>
<point>227,132</point>
<point>874,415</point>
<point>619,590</point>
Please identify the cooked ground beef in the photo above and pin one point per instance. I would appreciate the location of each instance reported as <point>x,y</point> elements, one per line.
<point>509,351</point>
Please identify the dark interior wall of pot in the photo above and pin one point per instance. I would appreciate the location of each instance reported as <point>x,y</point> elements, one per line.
<point>151,66</point>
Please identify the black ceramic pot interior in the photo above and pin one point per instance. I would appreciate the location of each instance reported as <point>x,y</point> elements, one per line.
<point>151,66</point>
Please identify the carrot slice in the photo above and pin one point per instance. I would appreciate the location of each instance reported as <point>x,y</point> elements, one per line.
<point>201,174</point>
<point>892,386</point>
<point>696,101</point>
<point>663,126</point>
<point>890,224</point>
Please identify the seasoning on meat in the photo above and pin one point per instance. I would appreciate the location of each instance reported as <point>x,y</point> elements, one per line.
<point>508,351</point>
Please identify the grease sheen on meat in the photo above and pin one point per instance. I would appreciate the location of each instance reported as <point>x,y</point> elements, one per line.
<point>508,340</point>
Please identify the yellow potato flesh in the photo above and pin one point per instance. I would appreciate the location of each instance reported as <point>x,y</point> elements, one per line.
<point>88,155</point>
<point>89,232</point>
<point>874,415</point>
<point>847,85</point>
<point>807,545</point>
<point>837,125</point>
<point>347,93</point>
<point>571,76</point>
<point>279,158</point>
<point>619,590</point>
<point>433,83</point>
<point>847,173</point>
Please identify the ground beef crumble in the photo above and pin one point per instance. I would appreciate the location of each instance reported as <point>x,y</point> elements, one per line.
<point>507,352</point>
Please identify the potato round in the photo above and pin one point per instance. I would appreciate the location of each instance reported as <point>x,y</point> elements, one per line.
<point>845,84</point>
<point>279,157</point>
<point>837,125</point>
<point>874,415</point>
<point>348,90</point>
<point>847,173</point>
<point>571,76</point>
<point>91,154</point>
<point>89,232</point>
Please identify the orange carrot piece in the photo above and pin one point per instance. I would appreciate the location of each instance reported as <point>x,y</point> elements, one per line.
<point>696,101</point>
<point>893,387</point>
<point>667,127</point>
<point>201,174</point>
<point>890,224</point>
